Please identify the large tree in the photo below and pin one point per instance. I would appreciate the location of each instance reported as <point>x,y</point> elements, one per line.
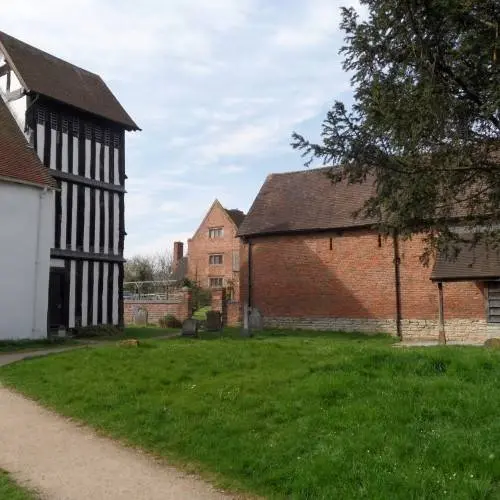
<point>425,123</point>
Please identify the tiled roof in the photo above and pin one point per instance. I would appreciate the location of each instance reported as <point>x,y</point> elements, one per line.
<point>478,262</point>
<point>18,161</point>
<point>52,77</point>
<point>305,201</point>
<point>237,216</point>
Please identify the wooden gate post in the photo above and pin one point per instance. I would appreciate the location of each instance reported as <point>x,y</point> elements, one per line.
<point>442,334</point>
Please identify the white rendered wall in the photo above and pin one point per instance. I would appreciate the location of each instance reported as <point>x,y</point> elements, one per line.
<point>24,272</point>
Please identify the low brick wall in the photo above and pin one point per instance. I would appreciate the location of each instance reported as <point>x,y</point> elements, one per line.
<point>219,301</point>
<point>229,309</point>
<point>457,330</point>
<point>179,306</point>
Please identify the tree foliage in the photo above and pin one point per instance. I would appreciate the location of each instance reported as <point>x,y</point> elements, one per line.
<point>425,123</point>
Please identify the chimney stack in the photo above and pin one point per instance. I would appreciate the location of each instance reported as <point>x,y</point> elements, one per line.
<point>178,251</point>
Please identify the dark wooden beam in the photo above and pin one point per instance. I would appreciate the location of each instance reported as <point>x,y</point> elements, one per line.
<point>4,69</point>
<point>14,95</point>
<point>78,179</point>
<point>77,255</point>
<point>442,334</point>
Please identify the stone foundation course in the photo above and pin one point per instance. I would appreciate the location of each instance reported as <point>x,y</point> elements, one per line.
<point>467,331</point>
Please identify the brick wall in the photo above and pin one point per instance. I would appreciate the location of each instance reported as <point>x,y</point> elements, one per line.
<point>219,303</point>
<point>201,246</point>
<point>347,282</point>
<point>419,295</point>
<point>233,313</point>
<point>180,307</point>
<point>230,309</point>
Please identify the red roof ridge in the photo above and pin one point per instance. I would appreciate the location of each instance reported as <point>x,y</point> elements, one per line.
<point>304,171</point>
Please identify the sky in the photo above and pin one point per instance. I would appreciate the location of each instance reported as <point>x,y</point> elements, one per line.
<point>216,86</point>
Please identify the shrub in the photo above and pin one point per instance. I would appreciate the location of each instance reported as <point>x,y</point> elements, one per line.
<point>188,283</point>
<point>97,331</point>
<point>202,297</point>
<point>169,321</point>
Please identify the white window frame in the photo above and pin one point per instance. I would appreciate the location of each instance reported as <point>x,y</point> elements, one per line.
<point>210,285</point>
<point>215,232</point>
<point>213,258</point>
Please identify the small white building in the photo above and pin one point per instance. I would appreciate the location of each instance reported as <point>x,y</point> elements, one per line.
<point>26,233</point>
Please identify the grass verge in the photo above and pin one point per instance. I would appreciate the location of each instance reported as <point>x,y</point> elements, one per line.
<point>141,332</point>
<point>9,490</point>
<point>32,345</point>
<point>7,346</point>
<point>305,416</point>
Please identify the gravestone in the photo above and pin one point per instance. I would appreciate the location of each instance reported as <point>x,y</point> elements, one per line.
<point>190,328</point>
<point>141,316</point>
<point>255,320</point>
<point>214,321</point>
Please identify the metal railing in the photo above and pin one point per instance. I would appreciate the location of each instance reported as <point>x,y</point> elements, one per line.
<point>150,290</point>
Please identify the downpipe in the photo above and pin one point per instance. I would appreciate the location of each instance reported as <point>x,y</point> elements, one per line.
<point>397,283</point>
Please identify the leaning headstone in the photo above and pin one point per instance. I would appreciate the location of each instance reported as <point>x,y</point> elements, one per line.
<point>190,328</point>
<point>214,321</point>
<point>141,316</point>
<point>255,319</point>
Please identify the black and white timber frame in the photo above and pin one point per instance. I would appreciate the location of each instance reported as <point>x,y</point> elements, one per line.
<point>86,155</point>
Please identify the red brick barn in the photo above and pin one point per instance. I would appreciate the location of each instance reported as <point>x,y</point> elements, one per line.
<point>314,265</point>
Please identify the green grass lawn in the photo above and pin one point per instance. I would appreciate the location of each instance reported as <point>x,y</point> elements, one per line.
<point>141,332</point>
<point>9,490</point>
<point>32,345</point>
<point>7,346</point>
<point>303,416</point>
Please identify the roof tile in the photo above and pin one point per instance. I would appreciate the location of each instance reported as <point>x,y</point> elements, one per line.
<point>52,77</point>
<point>18,161</point>
<point>477,262</point>
<point>305,201</point>
<point>237,216</point>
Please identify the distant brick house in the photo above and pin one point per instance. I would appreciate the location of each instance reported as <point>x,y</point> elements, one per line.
<point>313,265</point>
<point>212,259</point>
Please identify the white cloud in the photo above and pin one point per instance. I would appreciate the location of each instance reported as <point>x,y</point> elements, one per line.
<point>232,169</point>
<point>319,22</point>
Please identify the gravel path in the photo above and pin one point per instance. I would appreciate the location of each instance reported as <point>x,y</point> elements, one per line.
<point>64,461</point>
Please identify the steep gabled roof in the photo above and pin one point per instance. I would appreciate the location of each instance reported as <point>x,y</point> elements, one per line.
<point>305,201</point>
<point>50,76</point>
<point>18,161</point>
<point>234,215</point>
<point>237,216</point>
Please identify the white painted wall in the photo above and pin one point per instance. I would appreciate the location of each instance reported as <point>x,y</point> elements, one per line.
<point>24,265</point>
